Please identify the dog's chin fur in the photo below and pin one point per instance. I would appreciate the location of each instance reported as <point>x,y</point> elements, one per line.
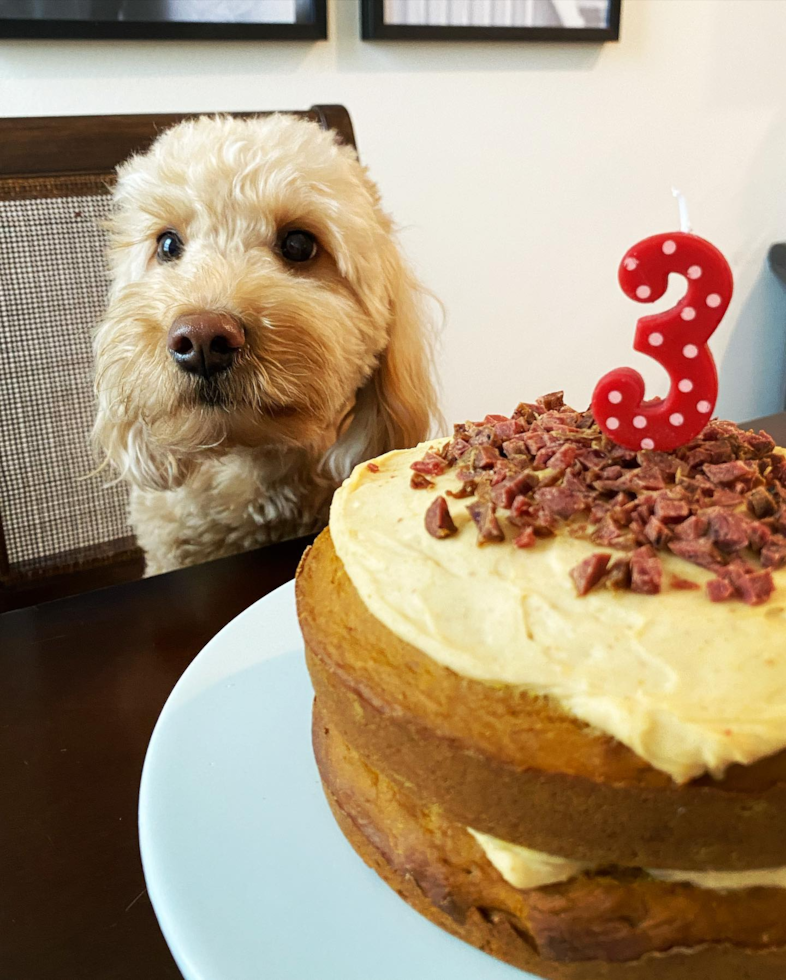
<point>336,363</point>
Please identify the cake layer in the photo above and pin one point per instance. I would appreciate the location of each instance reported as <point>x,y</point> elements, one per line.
<point>594,927</point>
<point>690,685</point>
<point>515,766</point>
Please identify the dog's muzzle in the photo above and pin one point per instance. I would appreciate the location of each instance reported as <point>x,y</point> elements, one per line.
<point>205,344</point>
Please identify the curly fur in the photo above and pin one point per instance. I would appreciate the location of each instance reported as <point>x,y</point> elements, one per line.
<point>336,364</point>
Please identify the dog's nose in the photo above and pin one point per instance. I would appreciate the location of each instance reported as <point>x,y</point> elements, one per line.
<point>205,343</point>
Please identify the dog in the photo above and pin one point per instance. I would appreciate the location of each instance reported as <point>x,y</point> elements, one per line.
<point>263,335</point>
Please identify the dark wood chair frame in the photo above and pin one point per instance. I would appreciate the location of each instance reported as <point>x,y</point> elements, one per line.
<point>56,145</point>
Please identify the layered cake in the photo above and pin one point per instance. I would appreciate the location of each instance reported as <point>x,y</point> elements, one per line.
<point>550,678</point>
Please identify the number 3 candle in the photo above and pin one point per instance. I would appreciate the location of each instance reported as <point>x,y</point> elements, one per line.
<point>676,339</point>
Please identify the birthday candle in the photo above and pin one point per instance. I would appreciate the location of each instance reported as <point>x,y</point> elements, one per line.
<point>677,339</point>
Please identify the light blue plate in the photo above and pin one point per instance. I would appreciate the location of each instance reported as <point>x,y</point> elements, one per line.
<point>248,874</point>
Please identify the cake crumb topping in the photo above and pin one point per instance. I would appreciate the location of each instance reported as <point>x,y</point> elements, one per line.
<point>439,523</point>
<point>718,501</point>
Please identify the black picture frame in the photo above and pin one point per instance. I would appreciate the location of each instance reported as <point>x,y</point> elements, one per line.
<point>374,28</point>
<point>159,30</point>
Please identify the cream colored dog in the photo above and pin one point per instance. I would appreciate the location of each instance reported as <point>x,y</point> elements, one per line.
<point>263,335</point>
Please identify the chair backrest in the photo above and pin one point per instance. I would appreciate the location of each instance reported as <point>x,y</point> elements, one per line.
<point>61,529</point>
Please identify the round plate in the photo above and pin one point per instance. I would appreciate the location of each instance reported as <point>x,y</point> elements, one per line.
<point>248,873</point>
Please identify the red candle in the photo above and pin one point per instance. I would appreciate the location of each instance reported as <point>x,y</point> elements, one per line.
<point>676,339</point>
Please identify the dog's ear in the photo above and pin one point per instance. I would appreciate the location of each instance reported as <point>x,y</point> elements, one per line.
<point>128,451</point>
<point>396,408</point>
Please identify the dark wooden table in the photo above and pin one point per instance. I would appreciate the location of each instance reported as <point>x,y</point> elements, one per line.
<point>82,681</point>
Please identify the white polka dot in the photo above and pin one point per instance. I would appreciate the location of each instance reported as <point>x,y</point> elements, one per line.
<point>612,423</point>
<point>640,422</point>
<point>690,350</point>
<point>688,313</point>
<point>685,385</point>
<point>713,300</point>
<point>643,292</point>
<point>704,406</point>
<point>615,397</point>
<point>630,263</point>
<point>676,419</point>
<point>694,272</point>
<point>669,247</point>
<point>655,339</point>
<point>647,444</point>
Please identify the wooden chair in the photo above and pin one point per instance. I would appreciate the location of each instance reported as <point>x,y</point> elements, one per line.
<point>62,530</point>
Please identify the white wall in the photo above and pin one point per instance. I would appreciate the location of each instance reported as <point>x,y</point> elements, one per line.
<point>520,173</point>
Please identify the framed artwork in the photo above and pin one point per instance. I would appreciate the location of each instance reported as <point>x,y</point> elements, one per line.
<point>237,20</point>
<point>491,20</point>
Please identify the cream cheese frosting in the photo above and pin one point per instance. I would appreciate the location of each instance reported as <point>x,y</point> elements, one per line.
<point>525,868</point>
<point>689,685</point>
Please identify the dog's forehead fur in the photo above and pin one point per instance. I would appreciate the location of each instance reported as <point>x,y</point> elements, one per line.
<point>246,180</point>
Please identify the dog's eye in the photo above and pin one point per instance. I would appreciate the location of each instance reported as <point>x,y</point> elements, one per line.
<point>298,246</point>
<point>170,246</point>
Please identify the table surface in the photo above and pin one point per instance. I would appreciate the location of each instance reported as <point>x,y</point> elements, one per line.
<point>83,682</point>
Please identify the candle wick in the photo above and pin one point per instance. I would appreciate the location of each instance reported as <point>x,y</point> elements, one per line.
<point>683,207</point>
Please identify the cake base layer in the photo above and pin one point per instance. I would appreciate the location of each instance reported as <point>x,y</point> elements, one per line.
<point>611,926</point>
<point>516,766</point>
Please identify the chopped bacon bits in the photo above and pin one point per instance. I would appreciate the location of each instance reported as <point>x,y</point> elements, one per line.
<point>646,571</point>
<point>656,533</point>
<point>553,401</point>
<point>504,493</point>
<point>759,443</point>
<point>719,590</point>
<point>430,465</point>
<point>561,502</point>
<point>756,588</point>
<point>467,490</point>
<point>671,511</point>
<point>719,501</point>
<point>589,572</point>
<point>729,531</point>
<point>691,530</point>
<point>735,471</point>
<point>618,576</point>
<point>751,586</point>
<point>525,538</point>
<point>701,552</point>
<point>563,457</point>
<point>759,535</point>
<point>760,503</point>
<point>773,554</point>
<point>484,515</point>
<point>420,482</point>
<point>508,429</point>
<point>439,523</point>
